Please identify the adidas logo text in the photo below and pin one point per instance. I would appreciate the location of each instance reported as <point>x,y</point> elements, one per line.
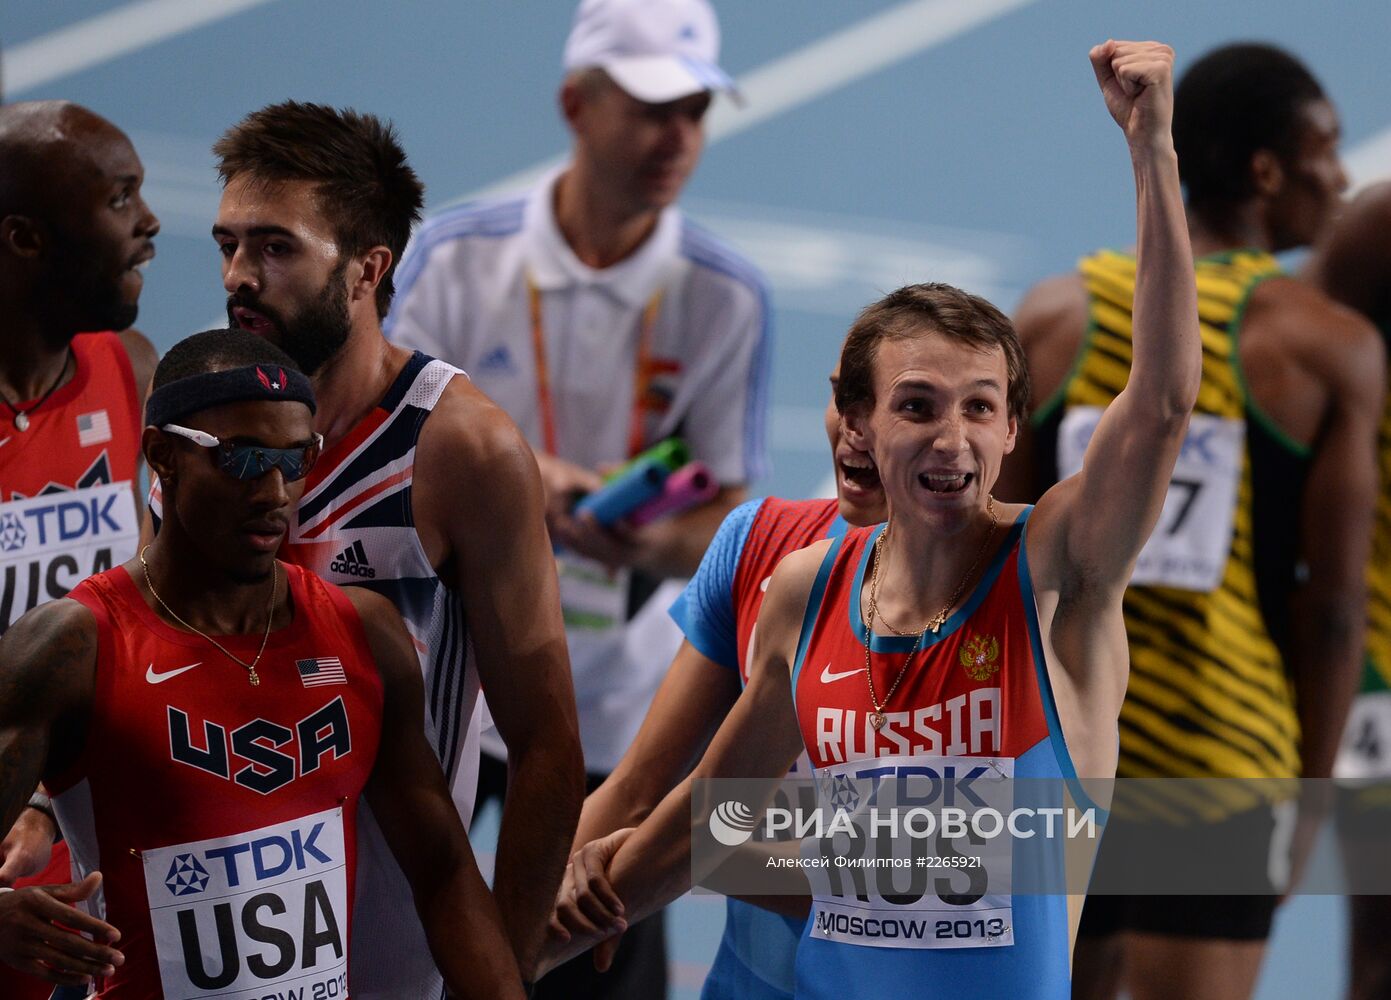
<point>352,561</point>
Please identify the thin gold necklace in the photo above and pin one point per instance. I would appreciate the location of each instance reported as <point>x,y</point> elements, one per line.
<point>270,617</point>
<point>877,717</point>
<point>936,621</point>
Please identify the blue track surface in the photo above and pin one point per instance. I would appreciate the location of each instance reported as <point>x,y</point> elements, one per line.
<point>986,160</point>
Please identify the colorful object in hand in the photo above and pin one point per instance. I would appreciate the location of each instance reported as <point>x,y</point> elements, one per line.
<point>687,487</point>
<point>671,454</point>
<point>641,483</point>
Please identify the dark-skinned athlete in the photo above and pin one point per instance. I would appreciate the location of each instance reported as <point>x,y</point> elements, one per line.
<point>207,717</point>
<point>1352,264</point>
<point>1240,668</point>
<point>75,236</point>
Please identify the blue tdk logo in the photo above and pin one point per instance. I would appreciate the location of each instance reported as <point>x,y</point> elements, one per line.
<point>187,876</point>
<point>67,520</point>
<point>12,533</point>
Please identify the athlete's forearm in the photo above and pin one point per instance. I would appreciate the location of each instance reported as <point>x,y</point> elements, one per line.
<point>464,930</point>
<point>653,867</point>
<point>759,740</point>
<point>1167,362</point>
<point>1326,665</point>
<point>545,790</point>
<point>646,877</point>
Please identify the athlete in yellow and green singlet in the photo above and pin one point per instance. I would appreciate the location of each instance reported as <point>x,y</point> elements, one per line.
<point>1245,614</point>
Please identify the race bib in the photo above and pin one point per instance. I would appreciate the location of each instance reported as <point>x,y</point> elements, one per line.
<point>257,914</point>
<point>896,880</point>
<point>51,543</point>
<point>1188,548</point>
<point>1365,753</point>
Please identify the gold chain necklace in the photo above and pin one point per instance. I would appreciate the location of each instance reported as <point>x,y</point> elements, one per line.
<point>270,617</point>
<point>936,621</point>
<point>877,717</point>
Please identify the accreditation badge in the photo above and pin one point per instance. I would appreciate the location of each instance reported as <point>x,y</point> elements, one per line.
<point>593,598</point>
<point>255,914</point>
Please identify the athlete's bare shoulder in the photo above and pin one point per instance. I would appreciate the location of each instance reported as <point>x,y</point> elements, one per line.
<point>59,637</point>
<point>477,491</point>
<point>1051,321</point>
<point>1324,337</point>
<point>387,637</point>
<point>792,580</point>
<point>470,439</point>
<point>470,452</point>
<point>143,358</point>
<point>780,615</point>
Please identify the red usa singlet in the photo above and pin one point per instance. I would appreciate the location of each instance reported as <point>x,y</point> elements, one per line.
<point>67,504</point>
<point>222,815</point>
<point>67,510</point>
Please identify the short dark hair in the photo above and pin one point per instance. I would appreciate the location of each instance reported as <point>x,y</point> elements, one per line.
<point>215,351</point>
<point>365,186</point>
<point>914,310</point>
<point>1232,102</point>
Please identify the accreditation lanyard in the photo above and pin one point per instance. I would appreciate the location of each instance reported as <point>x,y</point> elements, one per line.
<point>642,373</point>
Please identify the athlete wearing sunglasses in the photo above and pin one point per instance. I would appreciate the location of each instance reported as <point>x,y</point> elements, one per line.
<point>252,459</point>
<point>112,694</point>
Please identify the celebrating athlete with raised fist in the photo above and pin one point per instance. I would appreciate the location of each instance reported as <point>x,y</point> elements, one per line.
<point>933,384</point>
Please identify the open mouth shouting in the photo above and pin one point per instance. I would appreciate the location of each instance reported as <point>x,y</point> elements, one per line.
<point>858,474</point>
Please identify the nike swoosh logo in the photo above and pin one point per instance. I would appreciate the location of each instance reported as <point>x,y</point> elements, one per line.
<point>4,441</point>
<point>827,677</point>
<point>155,678</point>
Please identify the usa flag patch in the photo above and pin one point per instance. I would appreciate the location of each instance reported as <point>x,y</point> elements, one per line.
<point>93,428</point>
<point>322,671</point>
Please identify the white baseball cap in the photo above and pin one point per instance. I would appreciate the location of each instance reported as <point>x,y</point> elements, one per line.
<point>656,50</point>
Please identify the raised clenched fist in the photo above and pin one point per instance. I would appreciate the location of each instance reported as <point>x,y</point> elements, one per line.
<point>1137,80</point>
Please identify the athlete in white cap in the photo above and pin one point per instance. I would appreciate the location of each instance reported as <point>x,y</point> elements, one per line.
<point>603,322</point>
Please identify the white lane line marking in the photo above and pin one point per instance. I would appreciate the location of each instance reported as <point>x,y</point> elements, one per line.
<point>1369,160</point>
<point>833,62</point>
<point>107,36</point>
<point>850,54</point>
